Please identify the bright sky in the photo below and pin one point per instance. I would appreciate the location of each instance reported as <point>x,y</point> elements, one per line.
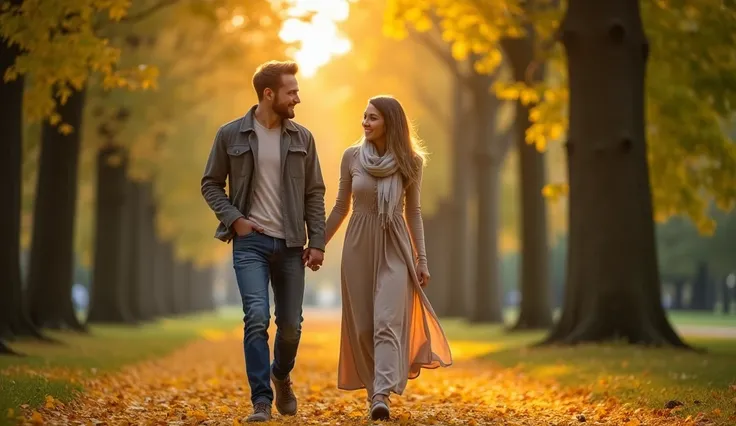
<point>319,40</point>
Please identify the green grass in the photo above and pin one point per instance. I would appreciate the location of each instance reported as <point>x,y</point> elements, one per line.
<point>105,348</point>
<point>642,376</point>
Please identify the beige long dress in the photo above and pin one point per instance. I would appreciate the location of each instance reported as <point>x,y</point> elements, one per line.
<point>389,329</point>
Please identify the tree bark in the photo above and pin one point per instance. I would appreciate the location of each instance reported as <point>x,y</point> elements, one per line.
<point>613,287</point>
<point>535,311</point>
<point>51,269</point>
<point>110,295</point>
<point>488,292</point>
<point>458,276</point>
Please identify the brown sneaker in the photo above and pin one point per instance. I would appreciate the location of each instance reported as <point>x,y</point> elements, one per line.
<point>285,398</point>
<point>261,412</point>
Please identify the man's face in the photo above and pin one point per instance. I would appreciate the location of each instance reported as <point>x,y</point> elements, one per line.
<point>286,97</point>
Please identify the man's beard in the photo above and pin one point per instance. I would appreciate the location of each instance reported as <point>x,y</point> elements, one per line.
<point>282,109</point>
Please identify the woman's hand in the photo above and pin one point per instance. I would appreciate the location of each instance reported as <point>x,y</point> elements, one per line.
<point>423,275</point>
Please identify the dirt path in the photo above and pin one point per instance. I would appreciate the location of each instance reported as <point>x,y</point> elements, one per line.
<point>205,383</point>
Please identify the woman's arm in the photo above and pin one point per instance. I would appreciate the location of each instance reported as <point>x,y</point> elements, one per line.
<point>413,215</point>
<point>344,193</point>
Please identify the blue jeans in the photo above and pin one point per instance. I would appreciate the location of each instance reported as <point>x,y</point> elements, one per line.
<point>256,259</point>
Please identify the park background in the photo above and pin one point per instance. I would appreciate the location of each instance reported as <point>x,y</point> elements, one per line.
<point>109,111</point>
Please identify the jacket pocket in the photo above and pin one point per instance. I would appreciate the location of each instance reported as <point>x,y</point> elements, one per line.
<point>295,161</point>
<point>241,159</point>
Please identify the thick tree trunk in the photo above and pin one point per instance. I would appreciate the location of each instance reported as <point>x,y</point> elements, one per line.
<point>613,287</point>
<point>535,311</point>
<point>51,269</point>
<point>13,317</point>
<point>110,295</point>
<point>488,292</point>
<point>458,278</point>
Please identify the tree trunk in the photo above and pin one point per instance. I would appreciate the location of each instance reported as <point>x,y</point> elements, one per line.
<point>51,269</point>
<point>163,272</point>
<point>13,316</point>
<point>613,287</point>
<point>700,287</point>
<point>140,261</point>
<point>535,311</point>
<point>488,292</point>
<point>727,296</point>
<point>110,295</point>
<point>679,284</point>
<point>458,275</point>
<point>208,278</point>
<point>146,251</point>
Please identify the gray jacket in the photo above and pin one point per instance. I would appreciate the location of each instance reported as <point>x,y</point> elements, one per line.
<point>232,158</point>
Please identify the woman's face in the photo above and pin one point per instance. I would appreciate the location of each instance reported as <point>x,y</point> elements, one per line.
<point>373,127</point>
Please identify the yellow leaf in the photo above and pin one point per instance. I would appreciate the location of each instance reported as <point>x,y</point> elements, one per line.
<point>66,129</point>
<point>11,413</point>
<point>36,418</point>
<point>236,422</point>
<point>633,422</point>
<point>459,50</point>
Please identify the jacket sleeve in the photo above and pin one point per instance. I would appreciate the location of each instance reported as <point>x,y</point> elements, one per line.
<point>314,198</point>
<point>213,183</point>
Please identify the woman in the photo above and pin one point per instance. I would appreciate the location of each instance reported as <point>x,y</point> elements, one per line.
<point>389,330</point>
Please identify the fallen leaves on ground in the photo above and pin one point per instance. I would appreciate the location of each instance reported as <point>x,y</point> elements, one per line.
<point>205,383</point>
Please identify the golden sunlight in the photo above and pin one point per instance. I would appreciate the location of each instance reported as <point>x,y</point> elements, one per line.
<point>318,37</point>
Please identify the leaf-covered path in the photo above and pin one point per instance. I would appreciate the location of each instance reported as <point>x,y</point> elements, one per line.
<point>204,383</point>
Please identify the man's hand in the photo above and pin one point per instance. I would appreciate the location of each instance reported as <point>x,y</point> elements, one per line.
<point>313,258</point>
<point>244,226</point>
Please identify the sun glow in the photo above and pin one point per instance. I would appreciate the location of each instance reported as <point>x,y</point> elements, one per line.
<point>318,38</point>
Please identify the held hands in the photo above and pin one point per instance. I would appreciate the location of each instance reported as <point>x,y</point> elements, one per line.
<point>313,258</point>
<point>423,275</point>
<point>244,226</point>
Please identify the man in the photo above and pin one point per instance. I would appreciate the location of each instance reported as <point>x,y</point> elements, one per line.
<point>276,186</point>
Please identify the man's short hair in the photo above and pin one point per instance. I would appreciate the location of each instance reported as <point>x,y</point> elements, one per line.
<point>268,75</point>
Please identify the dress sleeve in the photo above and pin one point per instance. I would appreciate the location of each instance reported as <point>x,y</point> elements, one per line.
<point>413,216</point>
<point>344,194</point>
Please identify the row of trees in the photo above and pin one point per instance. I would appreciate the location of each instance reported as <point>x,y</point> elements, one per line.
<point>116,96</point>
<point>628,161</point>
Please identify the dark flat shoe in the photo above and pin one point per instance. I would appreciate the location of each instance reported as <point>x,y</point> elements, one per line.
<point>380,411</point>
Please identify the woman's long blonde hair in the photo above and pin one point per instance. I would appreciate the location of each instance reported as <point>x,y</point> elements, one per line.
<point>401,139</point>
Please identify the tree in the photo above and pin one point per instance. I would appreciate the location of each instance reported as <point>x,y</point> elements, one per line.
<point>203,49</point>
<point>57,47</point>
<point>535,311</point>
<point>486,157</point>
<point>13,315</point>
<point>612,288</point>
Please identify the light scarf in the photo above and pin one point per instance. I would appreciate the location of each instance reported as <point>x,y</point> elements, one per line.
<point>390,184</point>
